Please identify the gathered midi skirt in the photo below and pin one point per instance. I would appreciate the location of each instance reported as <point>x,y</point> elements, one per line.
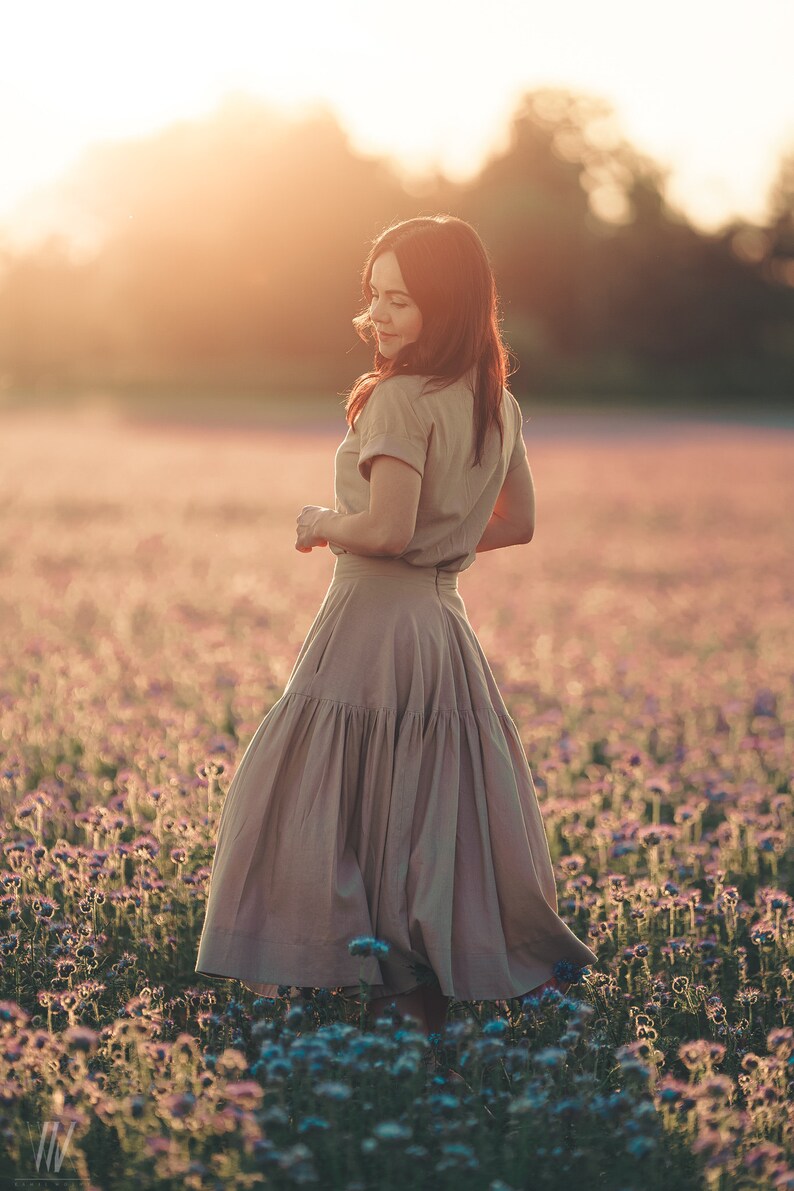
<point>386,793</point>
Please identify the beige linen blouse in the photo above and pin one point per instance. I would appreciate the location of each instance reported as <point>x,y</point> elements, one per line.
<point>433,432</point>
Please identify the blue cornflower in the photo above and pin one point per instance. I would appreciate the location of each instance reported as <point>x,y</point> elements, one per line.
<point>392,1131</point>
<point>334,1090</point>
<point>640,1146</point>
<point>568,972</point>
<point>365,945</point>
<point>309,1123</point>
<point>279,1067</point>
<point>458,1147</point>
<point>551,1056</point>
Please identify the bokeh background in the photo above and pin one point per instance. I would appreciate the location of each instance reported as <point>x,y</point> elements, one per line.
<point>188,194</point>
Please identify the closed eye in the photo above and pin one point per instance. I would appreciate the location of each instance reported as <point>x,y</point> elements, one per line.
<point>400,305</point>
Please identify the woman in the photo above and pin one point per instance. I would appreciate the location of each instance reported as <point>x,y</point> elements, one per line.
<point>387,792</point>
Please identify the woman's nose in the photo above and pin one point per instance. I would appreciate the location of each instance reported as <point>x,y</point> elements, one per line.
<point>375,315</point>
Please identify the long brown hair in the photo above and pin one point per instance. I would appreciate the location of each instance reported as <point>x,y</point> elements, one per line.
<point>446,268</point>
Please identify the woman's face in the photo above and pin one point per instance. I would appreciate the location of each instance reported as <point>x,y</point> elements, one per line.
<point>395,316</point>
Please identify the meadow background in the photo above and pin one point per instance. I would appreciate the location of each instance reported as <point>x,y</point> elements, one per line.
<point>176,346</point>
<point>153,605</point>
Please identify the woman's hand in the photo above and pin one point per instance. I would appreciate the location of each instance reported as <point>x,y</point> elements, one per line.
<point>307,538</point>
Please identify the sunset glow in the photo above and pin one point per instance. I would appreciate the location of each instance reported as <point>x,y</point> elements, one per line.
<point>700,89</point>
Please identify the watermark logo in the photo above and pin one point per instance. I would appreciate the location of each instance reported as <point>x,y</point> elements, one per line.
<point>54,1156</point>
<point>49,1156</point>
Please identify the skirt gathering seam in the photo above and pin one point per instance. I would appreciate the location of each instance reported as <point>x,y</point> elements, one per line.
<point>408,711</point>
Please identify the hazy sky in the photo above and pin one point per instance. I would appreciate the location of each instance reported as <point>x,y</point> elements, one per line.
<point>702,86</point>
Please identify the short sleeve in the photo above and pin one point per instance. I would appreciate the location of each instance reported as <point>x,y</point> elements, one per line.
<point>389,425</point>
<point>519,452</point>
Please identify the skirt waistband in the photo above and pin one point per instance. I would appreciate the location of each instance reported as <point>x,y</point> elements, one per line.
<point>351,566</point>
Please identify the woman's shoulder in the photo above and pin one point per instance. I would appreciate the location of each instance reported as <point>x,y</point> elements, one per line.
<point>511,399</point>
<point>434,386</point>
<point>410,384</point>
<point>429,393</point>
<point>409,391</point>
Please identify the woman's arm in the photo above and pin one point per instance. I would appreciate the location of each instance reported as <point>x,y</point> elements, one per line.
<point>499,533</point>
<point>356,532</point>
<point>513,519</point>
<point>388,525</point>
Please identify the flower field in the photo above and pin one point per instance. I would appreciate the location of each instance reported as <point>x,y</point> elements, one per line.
<point>152,608</point>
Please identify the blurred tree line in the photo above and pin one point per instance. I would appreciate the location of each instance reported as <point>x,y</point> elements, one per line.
<point>228,257</point>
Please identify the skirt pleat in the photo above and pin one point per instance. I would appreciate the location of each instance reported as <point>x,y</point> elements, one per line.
<point>386,793</point>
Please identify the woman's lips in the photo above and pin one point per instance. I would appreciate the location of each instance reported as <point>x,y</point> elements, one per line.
<point>383,335</point>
